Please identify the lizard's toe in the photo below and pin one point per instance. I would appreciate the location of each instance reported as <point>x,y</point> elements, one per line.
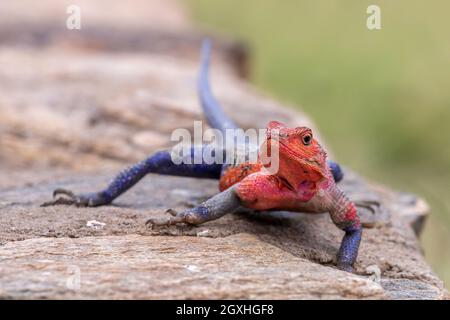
<point>58,201</point>
<point>158,221</point>
<point>172,212</point>
<point>371,205</point>
<point>174,218</point>
<point>67,197</point>
<point>345,267</point>
<point>63,191</point>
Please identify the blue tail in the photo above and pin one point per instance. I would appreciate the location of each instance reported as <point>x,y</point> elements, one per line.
<point>214,114</point>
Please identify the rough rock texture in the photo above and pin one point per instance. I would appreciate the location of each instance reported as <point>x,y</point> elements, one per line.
<point>265,255</point>
<point>76,107</point>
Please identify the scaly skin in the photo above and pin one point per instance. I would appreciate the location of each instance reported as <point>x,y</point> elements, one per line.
<point>304,182</point>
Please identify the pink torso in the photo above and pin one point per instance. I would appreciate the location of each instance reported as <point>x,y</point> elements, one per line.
<point>260,190</point>
<point>267,192</point>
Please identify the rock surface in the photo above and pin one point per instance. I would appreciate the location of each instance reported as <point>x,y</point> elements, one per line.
<point>60,254</point>
<point>73,115</point>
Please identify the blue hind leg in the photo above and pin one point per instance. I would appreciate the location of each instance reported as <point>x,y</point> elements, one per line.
<point>159,162</point>
<point>336,170</point>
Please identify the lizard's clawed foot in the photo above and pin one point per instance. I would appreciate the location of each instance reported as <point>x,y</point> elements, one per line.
<point>69,198</point>
<point>345,267</point>
<point>175,218</point>
<point>371,205</point>
<point>187,217</point>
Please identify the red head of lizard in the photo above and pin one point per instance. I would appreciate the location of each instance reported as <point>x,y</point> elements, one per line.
<point>300,156</point>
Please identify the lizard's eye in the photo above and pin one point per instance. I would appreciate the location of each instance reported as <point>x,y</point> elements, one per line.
<point>306,139</point>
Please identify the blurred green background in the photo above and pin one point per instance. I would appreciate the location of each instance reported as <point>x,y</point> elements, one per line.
<point>380,97</point>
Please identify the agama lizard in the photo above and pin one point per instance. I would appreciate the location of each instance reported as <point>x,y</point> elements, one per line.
<point>305,181</point>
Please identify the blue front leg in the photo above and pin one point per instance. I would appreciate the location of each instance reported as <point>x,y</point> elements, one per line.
<point>214,208</point>
<point>345,216</point>
<point>160,163</point>
<point>349,248</point>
